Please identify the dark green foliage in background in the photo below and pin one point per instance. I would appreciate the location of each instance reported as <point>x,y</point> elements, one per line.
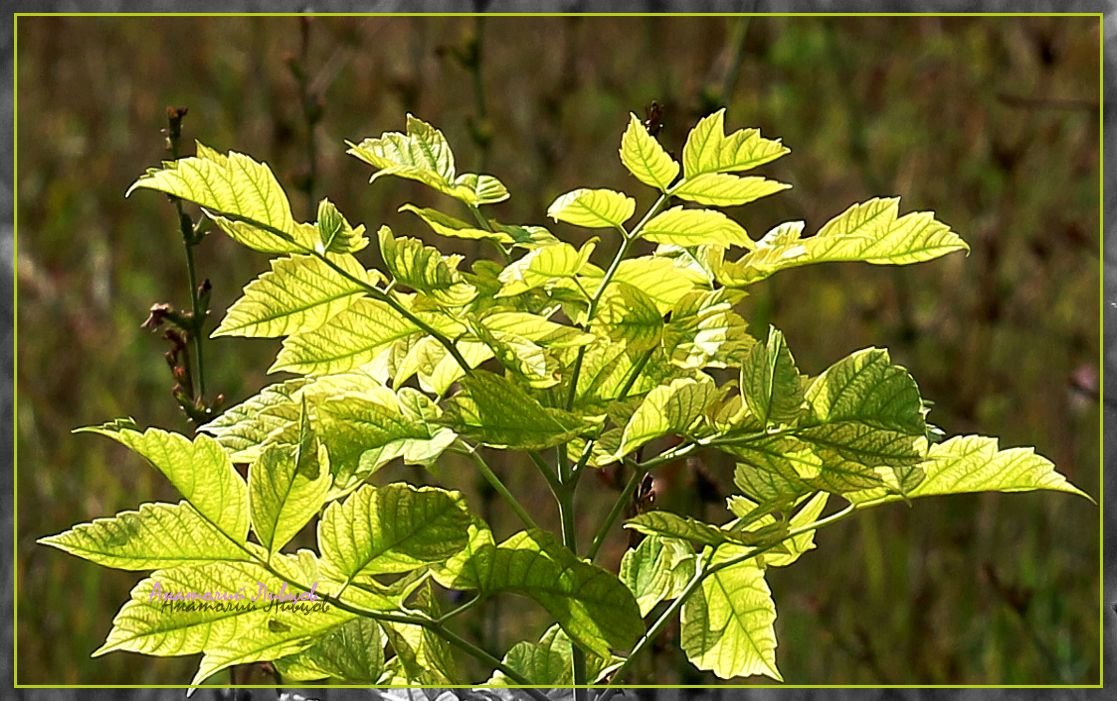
<point>990,122</point>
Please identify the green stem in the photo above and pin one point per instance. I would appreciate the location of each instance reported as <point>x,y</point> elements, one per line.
<point>545,470</point>
<point>197,314</point>
<point>615,512</point>
<point>501,489</point>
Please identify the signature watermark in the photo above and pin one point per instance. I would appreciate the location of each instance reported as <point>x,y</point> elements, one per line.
<point>242,600</point>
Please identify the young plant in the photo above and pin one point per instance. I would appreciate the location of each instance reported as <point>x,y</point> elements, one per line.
<point>568,367</point>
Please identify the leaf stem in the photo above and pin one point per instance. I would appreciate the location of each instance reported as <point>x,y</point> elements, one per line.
<point>475,454</point>
<point>615,512</point>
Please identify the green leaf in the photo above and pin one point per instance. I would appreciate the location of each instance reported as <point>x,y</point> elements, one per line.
<point>497,412</point>
<point>709,150</point>
<point>671,525</point>
<point>422,154</point>
<point>791,549</point>
<point>695,227</point>
<point>667,409</point>
<point>241,195</point>
<point>198,469</point>
<point>365,432</point>
<point>300,293</point>
<point>852,451</point>
<point>593,209</point>
<point>724,190</point>
<point>396,528</point>
<point>775,469</point>
<point>422,656</point>
<point>866,387</point>
<point>728,625</point>
<point>425,269</point>
<point>658,278</point>
<point>334,232</point>
<point>630,316</point>
<point>704,331</point>
<point>975,464</point>
<point>352,652</point>
<point>546,663</point>
<point>287,486</point>
<point>544,266</point>
<point>352,338</point>
<point>645,158</point>
<point>657,570</point>
<point>243,429</point>
<point>594,608</point>
<point>870,232</point>
<point>445,225</point>
<point>770,382</point>
<point>156,536</point>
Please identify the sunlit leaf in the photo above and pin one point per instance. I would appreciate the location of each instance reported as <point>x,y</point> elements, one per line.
<point>728,625</point>
<point>724,190</point>
<point>155,536</point>
<point>645,158</point>
<point>300,293</point>
<point>592,605</point>
<point>391,529</point>
<point>709,150</point>
<point>593,209</point>
<point>695,227</point>
<point>198,469</point>
<point>352,338</point>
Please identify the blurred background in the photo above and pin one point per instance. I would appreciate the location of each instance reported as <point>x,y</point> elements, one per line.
<point>990,122</point>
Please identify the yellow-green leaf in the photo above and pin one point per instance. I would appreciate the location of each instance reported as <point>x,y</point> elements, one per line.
<point>645,158</point>
<point>299,293</point>
<point>198,469</point>
<point>695,227</point>
<point>391,529</point>
<point>445,225</point>
<point>241,195</point>
<point>593,209</point>
<point>155,536</point>
<point>425,269</point>
<point>709,150</point>
<point>725,190</point>
<point>352,338</point>
<point>335,233</point>
<point>728,625</point>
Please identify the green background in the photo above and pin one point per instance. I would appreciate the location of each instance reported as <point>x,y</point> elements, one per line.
<point>990,122</point>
